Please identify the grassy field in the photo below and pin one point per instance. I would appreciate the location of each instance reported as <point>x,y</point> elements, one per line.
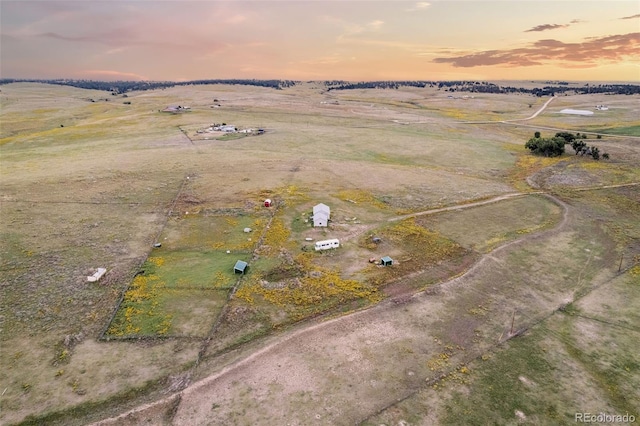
<point>485,227</point>
<point>90,179</point>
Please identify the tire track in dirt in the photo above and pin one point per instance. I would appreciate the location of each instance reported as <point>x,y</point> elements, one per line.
<point>465,206</point>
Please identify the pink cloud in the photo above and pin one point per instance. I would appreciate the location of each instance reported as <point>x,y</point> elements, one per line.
<point>545,27</point>
<point>610,49</point>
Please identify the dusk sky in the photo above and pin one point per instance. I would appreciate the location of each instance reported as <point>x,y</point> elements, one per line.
<point>321,40</point>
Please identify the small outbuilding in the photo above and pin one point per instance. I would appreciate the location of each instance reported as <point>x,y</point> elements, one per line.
<point>240,267</point>
<point>267,202</point>
<point>386,261</point>
<point>321,214</point>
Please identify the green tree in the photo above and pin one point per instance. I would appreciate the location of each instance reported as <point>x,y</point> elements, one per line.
<point>548,147</point>
<point>595,153</point>
<point>578,146</point>
<point>568,137</point>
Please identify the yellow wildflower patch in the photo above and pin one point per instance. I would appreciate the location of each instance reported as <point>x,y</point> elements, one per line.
<point>158,261</point>
<point>527,165</point>
<point>433,245</point>
<point>361,197</point>
<point>138,313</point>
<point>276,235</point>
<point>315,290</point>
<point>220,280</point>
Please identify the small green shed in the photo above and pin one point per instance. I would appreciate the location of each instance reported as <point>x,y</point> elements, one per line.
<point>386,261</point>
<point>240,267</point>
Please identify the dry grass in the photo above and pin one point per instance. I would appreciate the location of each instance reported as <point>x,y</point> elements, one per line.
<point>485,227</point>
<point>100,190</point>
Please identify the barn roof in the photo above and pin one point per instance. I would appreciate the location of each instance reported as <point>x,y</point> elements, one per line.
<point>321,208</point>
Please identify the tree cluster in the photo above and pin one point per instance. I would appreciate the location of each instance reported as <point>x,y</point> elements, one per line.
<point>554,147</point>
<point>548,147</point>
<point>580,146</point>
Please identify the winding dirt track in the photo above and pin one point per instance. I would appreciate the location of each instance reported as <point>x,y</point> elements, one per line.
<point>261,369</point>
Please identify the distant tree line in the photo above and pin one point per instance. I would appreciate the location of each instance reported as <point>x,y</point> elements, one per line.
<point>345,85</point>
<point>486,87</point>
<point>120,87</point>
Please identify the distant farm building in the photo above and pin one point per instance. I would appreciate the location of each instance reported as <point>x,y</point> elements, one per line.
<point>321,214</point>
<point>327,244</point>
<point>176,109</point>
<point>267,202</point>
<point>386,261</point>
<point>576,111</point>
<point>240,267</point>
<point>228,129</point>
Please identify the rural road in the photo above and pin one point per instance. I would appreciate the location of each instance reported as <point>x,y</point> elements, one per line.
<point>464,206</point>
<point>542,108</point>
<point>514,120</point>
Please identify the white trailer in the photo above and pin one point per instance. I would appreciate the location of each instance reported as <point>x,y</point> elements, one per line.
<point>96,277</point>
<point>327,244</point>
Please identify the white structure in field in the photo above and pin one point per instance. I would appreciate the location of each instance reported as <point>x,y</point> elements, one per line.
<point>576,111</point>
<point>95,277</point>
<point>327,244</point>
<point>321,213</point>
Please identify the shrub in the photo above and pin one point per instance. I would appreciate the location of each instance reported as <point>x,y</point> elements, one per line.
<point>568,137</point>
<point>578,146</point>
<point>553,147</point>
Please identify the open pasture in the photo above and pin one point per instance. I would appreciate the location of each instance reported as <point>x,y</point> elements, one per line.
<point>621,117</point>
<point>88,182</point>
<point>485,227</point>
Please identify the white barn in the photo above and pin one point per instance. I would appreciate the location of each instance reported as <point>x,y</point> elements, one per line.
<point>321,213</point>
